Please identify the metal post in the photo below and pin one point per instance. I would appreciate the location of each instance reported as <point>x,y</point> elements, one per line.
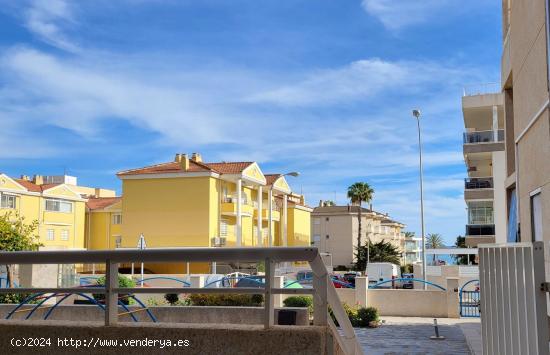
<point>111,297</point>
<point>320,285</point>
<point>269,314</point>
<point>141,274</point>
<point>421,202</point>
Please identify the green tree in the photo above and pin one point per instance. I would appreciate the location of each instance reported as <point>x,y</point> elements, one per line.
<point>378,252</point>
<point>434,241</point>
<point>463,259</point>
<point>358,193</point>
<point>408,234</point>
<point>17,235</point>
<point>328,203</point>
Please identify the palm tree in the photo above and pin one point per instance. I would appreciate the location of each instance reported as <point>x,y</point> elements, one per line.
<point>408,235</point>
<point>434,241</point>
<point>358,193</point>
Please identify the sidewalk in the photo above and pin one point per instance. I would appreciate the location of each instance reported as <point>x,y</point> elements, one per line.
<point>410,335</point>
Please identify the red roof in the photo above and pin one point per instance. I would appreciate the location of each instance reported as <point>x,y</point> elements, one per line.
<point>194,166</point>
<point>97,203</point>
<point>32,187</point>
<point>271,178</point>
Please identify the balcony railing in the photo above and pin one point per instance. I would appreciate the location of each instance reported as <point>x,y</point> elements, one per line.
<point>323,291</point>
<point>483,137</point>
<point>478,183</point>
<point>480,229</point>
<point>481,89</point>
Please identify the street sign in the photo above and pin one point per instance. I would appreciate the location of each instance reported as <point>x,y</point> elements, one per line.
<point>141,242</point>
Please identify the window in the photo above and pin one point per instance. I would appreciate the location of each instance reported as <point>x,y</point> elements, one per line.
<point>118,241</point>
<point>536,217</point>
<point>7,201</point>
<point>117,218</point>
<point>50,234</point>
<point>64,234</point>
<point>480,212</point>
<point>59,206</point>
<point>223,228</point>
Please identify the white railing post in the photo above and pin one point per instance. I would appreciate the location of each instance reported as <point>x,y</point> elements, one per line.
<point>269,314</point>
<point>111,297</point>
<point>320,285</point>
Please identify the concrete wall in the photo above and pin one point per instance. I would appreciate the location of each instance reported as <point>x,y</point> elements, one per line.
<point>409,303</point>
<point>203,339</point>
<point>446,271</point>
<point>166,314</point>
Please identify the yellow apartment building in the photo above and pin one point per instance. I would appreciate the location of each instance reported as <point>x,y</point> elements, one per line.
<point>191,203</point>
<point>56,202</point>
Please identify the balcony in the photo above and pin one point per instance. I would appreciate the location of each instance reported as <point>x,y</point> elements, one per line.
<point>479,188</point>
<point>483,141</point>
<point>483,137</point>
<point>478,183</point>
<point>480,230</point>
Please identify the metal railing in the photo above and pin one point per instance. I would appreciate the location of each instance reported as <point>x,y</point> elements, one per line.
<point>478,183</point>
<point>514,316</point>
<point>481,89</point>
<point>475,230</point>
<point>323,291</point>
<point>483,137</point>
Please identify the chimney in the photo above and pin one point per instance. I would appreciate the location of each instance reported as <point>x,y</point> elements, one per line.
<point>370,207</point>
<point>25,177</point>
<point>38,179</point>
<point>178,158</point>
<point>184,162</point>
<point>320,203</point>
<point>196,157</point>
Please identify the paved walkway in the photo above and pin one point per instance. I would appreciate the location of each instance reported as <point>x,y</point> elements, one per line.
<point>400,335</point>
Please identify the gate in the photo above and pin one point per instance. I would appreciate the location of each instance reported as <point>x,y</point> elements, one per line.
<point>469,300</point>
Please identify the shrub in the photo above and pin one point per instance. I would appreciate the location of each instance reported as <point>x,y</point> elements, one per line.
<point>15,298</point>
<point>367,315</point>
<point>171,298</point>
<point>123,281</point>
<point>225,300</point>
<point>298,301</point>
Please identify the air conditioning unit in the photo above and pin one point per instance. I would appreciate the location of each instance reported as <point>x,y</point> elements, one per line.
<point>218,241</point>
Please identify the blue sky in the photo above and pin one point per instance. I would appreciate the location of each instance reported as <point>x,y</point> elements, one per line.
<point>322,87</point>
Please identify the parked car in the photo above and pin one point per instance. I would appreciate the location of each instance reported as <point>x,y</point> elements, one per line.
<point>259,281</point>
<point>349,277</point>
<point>409,285</point>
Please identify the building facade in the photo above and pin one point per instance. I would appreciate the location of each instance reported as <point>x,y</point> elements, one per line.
<point>191,203</point>
<point>412,250</point>
<point>334,231</point>
<point>57,203</point>
<point>525,86</point>
<point>484,156</point>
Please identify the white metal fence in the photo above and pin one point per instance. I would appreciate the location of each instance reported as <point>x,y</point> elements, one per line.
<point>324,293</point>
<point>514,316</point>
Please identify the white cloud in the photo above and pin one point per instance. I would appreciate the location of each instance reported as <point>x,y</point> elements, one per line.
<point>396,14</point>
<point>46,19</point>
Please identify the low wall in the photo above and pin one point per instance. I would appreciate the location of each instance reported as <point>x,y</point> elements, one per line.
<point>409,303</point>
<point>168,314</point>
<point>201,338</point>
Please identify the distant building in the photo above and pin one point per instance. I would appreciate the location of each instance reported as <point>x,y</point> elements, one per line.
<point>334,230</point>
<point>57,203</point>
<point>412,250</point>
<point>484,193</point>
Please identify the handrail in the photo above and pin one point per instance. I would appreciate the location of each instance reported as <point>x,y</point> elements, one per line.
<point>324,293</point>
<point>406,279</point>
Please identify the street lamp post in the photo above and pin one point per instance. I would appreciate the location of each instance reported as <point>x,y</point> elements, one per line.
<point>416,114</point>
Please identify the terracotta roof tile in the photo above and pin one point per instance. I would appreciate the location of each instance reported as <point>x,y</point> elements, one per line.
<point>96,203</point>
<point>166,168</point>
<point>271,178</point>
<point>229,168</point>
<point>32,187</point>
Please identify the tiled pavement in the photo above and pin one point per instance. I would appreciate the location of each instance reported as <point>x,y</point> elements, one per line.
<point>399,335</point>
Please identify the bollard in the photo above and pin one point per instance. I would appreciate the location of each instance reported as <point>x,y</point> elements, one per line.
<point>436,329</point>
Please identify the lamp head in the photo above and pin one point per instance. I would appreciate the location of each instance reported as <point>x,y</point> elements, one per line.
<point>416,113</point>
<point>294,174</point>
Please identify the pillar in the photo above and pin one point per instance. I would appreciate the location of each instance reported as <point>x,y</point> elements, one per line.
<point>453,302</point>
<point>361,290</point>
<point>270,216</point>
<point>260,217</point>
<point>285,220</point>
<point>197,281</point>
<point>278,298</point>
<point>239,213</point>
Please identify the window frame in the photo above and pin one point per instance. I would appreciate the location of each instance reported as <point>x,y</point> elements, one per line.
<point>65,235</point>
<point>8,198</point>
<point>52,238</point>
<point>59,203</point>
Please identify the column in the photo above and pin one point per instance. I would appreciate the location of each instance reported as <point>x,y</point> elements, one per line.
<point>270,216</point>
<point>361,290</point>
<point>284,224</point>
<point>239,213</point>
<point>495,123</point>
<point>453,302</point>
<point>260,199</point>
